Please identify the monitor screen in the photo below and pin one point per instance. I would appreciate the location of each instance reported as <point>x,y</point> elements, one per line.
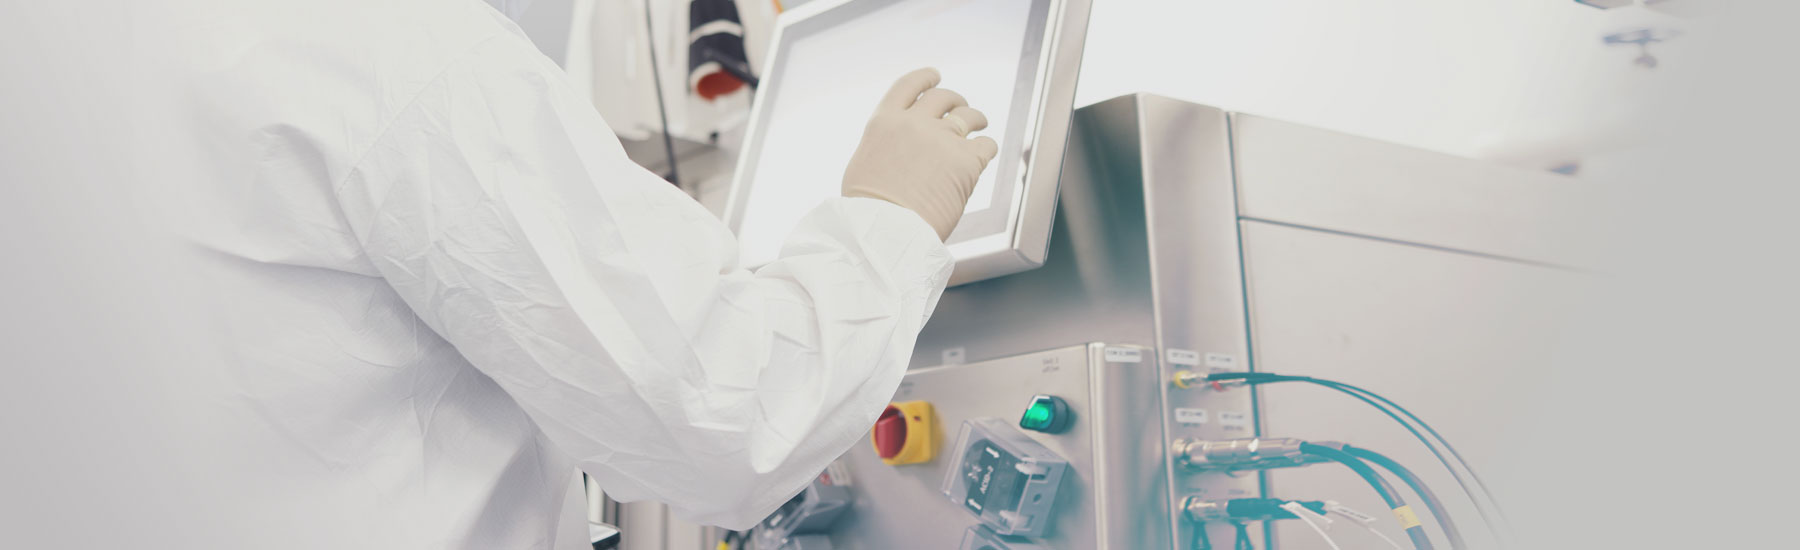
<point>831,65</point>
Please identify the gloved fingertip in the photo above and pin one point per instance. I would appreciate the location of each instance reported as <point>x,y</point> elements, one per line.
<point>906,90</point>
<point>986,148</point>
<point>932,75</point>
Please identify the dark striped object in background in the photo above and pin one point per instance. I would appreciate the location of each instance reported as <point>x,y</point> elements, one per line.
<point>717,64</point>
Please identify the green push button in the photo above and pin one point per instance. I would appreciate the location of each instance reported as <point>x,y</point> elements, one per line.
<point>1047,413</point>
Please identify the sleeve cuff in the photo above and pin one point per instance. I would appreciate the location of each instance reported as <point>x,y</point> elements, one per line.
<point>895,245</point>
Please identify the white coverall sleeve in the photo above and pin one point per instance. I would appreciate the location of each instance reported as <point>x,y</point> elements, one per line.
<point>611,306</point>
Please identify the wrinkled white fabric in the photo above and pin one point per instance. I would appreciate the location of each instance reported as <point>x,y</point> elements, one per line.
<point>439,286</point>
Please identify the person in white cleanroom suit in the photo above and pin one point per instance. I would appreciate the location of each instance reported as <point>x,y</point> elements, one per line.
<point>437,286</point>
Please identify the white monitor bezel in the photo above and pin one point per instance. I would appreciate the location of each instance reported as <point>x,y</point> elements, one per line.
<point>1022,241</point>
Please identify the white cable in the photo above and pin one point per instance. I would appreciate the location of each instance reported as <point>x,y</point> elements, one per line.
<point>1306,516</point>
<point>1365,521</point>
<point>1298,509</point>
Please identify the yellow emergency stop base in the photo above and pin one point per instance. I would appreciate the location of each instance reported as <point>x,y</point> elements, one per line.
<point>921,444</point>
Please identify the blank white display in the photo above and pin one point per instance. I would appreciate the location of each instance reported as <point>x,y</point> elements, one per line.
<point>830,81</point>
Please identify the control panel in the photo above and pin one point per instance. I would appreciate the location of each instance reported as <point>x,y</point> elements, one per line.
<point>1054,449</point>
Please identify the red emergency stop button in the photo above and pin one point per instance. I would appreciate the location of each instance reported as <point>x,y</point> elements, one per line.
<point>903,433</point>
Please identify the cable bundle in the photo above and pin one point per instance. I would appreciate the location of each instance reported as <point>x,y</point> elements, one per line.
<point>1479,494</point>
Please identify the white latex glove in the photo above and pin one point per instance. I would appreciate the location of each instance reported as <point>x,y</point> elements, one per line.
<point>916,152</point>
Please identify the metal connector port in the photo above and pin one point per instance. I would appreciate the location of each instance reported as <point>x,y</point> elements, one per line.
<point>1254,453</point>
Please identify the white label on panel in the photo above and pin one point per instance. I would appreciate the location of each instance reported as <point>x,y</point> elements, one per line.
<point>1190,417</point>
<point>1183,357</point>
<point>953,356</point>
<point>1123,355</point>
<point>1234,421</point>
<point>1221,360</point>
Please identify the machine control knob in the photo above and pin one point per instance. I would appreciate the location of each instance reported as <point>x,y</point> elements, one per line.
<point>890,433</point>
<point>903,433</point>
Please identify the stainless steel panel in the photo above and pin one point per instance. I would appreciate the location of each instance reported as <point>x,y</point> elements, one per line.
<point>1456,338</point>
<point>1197,283</point>
<point>1130,464</point>
<point>1297,175</point>
<point>1110,501</point>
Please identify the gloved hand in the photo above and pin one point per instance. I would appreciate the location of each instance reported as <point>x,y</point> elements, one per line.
<point>916,152</point>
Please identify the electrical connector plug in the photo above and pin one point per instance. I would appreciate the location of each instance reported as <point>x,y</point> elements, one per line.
<point>1255,453</point>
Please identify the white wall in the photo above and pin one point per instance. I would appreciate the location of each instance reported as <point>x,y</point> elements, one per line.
<point>1448,75</point>
<point>1521,81</point>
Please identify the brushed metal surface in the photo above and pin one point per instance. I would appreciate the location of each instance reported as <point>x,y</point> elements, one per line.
<point>1130,464</point>
<point>1197,282</point>
<point>1455,338</point>
<point>1432,279</point>
<point>1112,467</point>
<point>1294,174</point>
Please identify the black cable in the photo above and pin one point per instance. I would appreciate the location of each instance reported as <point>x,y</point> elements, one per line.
<point>1201,541</point>
<point>1498,528</point>
<point>1419,488</point>
<point>1393,499</point>
<point>1369,398</point>
<point>1243,537</point>
<point>1453,453</point>
<point>662,110</point>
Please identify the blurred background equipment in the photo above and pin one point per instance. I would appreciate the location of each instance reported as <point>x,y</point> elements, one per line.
<point>717,62</point>
<point>666,87</point>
